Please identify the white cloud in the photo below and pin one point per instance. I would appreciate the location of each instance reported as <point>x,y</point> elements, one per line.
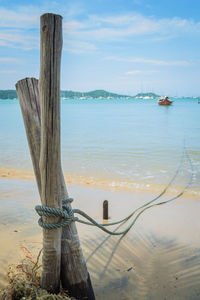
<point>17,27</point>
<point>114,28</point>
<point>20,28</point>
<point>148,61</point>
<point>141,72</point>
<point>78,47</point>
<point>9,59</point>
<point>124,26</point>
<point>70,27</point>
<point>19,18</point>
<point>19,39</point>
<point>7,71</point>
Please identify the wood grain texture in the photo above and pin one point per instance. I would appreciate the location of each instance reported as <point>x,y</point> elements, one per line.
<point>74,274</point>
<point>50,162</point>
<point>44,150</point>
<point>28,95</point>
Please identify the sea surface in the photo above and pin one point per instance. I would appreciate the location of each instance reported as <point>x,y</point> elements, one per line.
<point>123,143</point>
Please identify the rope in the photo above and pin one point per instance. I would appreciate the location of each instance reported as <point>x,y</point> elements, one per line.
<point>67,214</point>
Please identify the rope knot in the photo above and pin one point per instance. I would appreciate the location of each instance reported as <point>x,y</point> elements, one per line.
<point>50,212</point>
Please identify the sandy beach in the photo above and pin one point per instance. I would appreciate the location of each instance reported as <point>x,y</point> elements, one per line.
<point>89,112</point>
<point>116,185</point>
<point>157,259</point>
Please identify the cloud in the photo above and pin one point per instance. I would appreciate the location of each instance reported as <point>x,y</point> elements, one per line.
<point>9,60</point>
<point>8,71</point>
<point>21,18</point>
<point>114,28</point>
<point>124,26</point>
<point>73,26</point>
<point>141,72</point>
<point>148,61</point>
<point>17,38</point>
<point>20,28</point>
<point>78,47</point>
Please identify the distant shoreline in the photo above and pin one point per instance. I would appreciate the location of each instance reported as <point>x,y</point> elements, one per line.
<point>96,94</point>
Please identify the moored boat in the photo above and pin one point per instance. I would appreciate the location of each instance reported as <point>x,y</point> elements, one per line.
<point>164,101</point>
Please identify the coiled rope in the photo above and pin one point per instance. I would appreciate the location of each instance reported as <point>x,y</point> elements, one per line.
<point>67,214</point>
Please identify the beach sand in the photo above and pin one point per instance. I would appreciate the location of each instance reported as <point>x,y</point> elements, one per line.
<point>108,183</point>
<point>158,258</point>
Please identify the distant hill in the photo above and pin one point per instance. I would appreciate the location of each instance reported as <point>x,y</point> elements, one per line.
<point>92,94</point>
<point>152,95</point>
<point>8,94</point>
<point>11,94</point>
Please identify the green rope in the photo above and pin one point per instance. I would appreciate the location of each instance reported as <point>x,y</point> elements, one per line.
<point>67,214</point>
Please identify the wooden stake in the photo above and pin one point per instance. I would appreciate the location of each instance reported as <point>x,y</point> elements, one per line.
<point>74,274</point>
<point>28,95</point>
<point>105,209</point>
<point>73,266</point>
<point>27,90</point>
<point>50,162</point>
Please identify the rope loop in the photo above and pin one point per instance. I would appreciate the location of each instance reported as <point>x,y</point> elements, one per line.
<point>50,212</point>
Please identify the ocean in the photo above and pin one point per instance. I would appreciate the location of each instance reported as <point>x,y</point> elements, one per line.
<point>117,143</point>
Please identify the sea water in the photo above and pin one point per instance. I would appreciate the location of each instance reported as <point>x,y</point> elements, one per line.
<point>121,142</point>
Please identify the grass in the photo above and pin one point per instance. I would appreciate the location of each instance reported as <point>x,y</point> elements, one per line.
<point>24,281</point>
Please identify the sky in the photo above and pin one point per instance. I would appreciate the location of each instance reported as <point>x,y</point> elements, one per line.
<point>122,46</point>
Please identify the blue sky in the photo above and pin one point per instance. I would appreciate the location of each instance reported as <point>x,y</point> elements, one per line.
<point>123,46</point>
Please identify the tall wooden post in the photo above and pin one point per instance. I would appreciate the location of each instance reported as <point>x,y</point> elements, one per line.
<point>47,165</point>
<point>50,162</point>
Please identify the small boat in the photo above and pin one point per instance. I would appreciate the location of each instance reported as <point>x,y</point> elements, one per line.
<point>164,101</point>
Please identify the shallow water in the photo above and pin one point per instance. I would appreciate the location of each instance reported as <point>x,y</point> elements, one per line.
<point>157,259</point>
<point>122,141</point>
<point>116,143</point>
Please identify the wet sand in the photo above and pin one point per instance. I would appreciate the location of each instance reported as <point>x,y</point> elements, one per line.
<point>158,258</point>
<point>109,183</point>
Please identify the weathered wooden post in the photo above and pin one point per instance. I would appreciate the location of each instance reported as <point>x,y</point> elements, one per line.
<point>50,161</point>
<point>43,134</point>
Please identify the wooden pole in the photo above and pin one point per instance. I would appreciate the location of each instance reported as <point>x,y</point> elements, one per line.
<point>50,162</point>
<point>74,274</point>
<point>27,90</point>
<point>28,95</point>
<point>105,209</point>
